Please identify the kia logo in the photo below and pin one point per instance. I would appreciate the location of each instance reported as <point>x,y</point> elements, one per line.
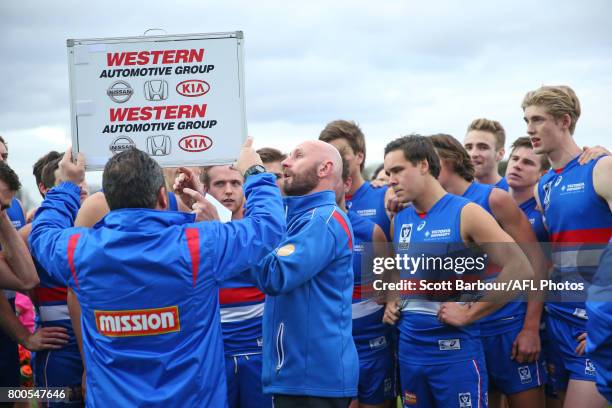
<point>120,92</point>
<point>121,144</point>
<point>192,88</point>
<point>195,143</point>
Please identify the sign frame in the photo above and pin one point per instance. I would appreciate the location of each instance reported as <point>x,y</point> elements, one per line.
<point>101,43</point>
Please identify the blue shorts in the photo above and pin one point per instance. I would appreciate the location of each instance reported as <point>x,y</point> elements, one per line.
<point>60,368</point>
<point>9,362</point>
<point>244,389</point>
<point>563,363</point>
<point>462,384</point>
<point>377,378</point>
<point>507,375</point>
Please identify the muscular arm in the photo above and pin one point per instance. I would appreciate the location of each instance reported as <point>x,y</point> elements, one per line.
<point>480,227</point>
<point>515,223</point>
<point>16,266</point>
<point>602,182</point>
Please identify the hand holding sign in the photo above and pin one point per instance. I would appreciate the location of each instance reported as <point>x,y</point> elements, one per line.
<point>69,171</point>
<point>248,157</point>
<point>203,209</point>
<point>186,179</point>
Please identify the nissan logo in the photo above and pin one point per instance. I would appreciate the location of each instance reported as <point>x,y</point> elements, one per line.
<point>192,88</point>
<point>195,143</point>
<point>120,92</point>
<point>121,144</point>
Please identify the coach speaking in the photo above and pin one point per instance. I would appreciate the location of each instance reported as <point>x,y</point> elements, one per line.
<point>147,280</point>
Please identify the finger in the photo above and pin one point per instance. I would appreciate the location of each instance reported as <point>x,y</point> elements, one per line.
<point>582,336</point>
<point>80,160</point>
<point>194,195</point>
<point>248,143</point>
<point>57,329</point>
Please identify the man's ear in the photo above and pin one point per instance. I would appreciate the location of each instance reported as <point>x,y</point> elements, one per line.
<point>162,199</point>
<point>499,155</point>
<point>359,157</point>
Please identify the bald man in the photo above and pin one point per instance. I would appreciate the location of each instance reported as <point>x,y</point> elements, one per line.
<point>309,357</point>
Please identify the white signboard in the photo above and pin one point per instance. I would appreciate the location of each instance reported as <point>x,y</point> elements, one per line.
<point>180,98</point>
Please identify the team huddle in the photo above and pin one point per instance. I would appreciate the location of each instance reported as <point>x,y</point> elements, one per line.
<point>144,298</point>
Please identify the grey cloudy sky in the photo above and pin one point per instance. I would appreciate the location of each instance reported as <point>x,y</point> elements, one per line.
<point>395,67</point>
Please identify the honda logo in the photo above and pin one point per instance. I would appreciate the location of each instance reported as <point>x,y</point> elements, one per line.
<point>156,90</point>
<point>120,91</point>
<point>159,145</point>
<point>195,143</point>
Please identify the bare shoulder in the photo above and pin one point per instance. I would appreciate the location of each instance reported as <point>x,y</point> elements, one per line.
<point>93,209</point>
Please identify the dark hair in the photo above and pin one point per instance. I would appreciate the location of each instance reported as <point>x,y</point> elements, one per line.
<point>9,177</point>
<point>452,152</point>
<point>47,175</point>
<point>417,148</point>
<point>343,129</point>
<point>270,154</point>
<point>3,141</point>
<point>132,179</point>
<point>346,172</point>
<point>40,164</point>
<point>525,141</point>
<point>377,170</point>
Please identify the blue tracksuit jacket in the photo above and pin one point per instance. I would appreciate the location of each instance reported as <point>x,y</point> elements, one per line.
<point>307,328</point>
<point>147,282</point>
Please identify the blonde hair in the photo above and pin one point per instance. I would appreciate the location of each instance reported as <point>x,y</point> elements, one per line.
<point>557,100</point>
<point>491,126</point>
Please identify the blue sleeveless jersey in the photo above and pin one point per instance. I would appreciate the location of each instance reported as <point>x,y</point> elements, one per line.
<point>509,316</point>
<point>370,334</point>
<point>369,202</point>
<point>599,309</point>
<point>423,339</point>
<point>535,219</point>
<point>242,307</point>
<point>579,223</point>
<point>503,184</point>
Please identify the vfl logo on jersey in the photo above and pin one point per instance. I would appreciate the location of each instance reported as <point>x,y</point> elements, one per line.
<point>410,398</point>
<point>449,344</point>
<point>421,225</point>
<point>378,343</point>
<point>524,374</point>
<point>388,385</point>
<point>589,367</point>
<point>580,313</point>
<point>404,236</point>
<point>259,342</point>
<point>465,400</point>
<point>141,322</point>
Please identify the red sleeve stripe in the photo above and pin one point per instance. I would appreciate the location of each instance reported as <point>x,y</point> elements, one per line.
<point>228,296</point>
<point>72,244</point>
<point>50,294</point>
<point>587,236</point>
<point>345,227</point>
<point>193,243</point>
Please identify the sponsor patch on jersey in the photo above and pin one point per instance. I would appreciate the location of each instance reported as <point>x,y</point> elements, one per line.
<point>410,398</point>
<point>524,374</point>
<point>573,188</point>
<point>140,322</point>
<point>285,250</point>
<point>368,212</point>
<point>439,233</point>
<point>421,225</point>
<point>589,367</point>
<point>449,344</point>
<point>378,343</point>
<point>465,400</point>
<point>259,342</point>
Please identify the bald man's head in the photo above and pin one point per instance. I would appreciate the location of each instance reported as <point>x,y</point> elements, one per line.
<point>311,167</point>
